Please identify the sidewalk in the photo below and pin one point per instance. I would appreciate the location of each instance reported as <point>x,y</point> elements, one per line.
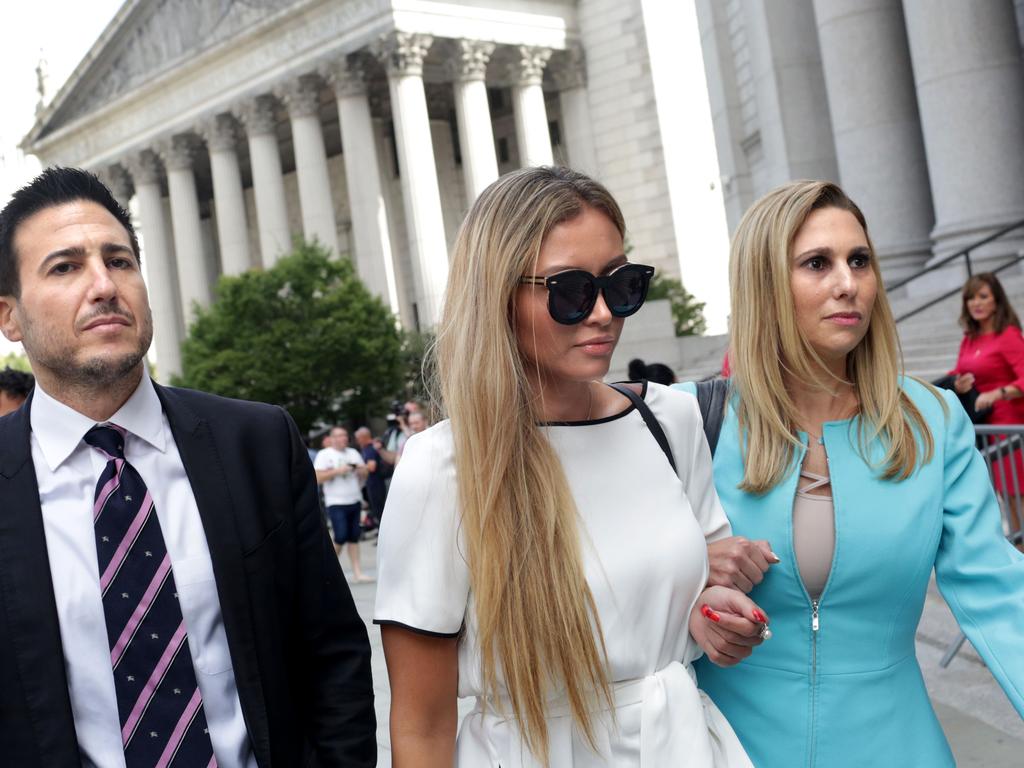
<point>982,727</point>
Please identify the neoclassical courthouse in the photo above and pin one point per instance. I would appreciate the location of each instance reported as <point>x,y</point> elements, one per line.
<point>915,107</point>
<point>234,125</point>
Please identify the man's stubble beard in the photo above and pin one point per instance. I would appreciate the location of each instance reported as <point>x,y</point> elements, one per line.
<point>94,373</point>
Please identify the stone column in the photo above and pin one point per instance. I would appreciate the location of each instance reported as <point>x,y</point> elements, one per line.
<point>221,137</point>
<point>532,134</point>
<point>178,155</point>
<point>577,136</point>
<point>402,54</point>
<point>158,263</point>
<point>302,98</point>
<point>875,123</point>
<point>967,67</point>
<point>118,182</point>
<point>259,117</point>
<point>473,114</point>
<point>371,239</point>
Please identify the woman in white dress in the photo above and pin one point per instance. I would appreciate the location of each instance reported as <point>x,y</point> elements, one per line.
<point>538,551</point>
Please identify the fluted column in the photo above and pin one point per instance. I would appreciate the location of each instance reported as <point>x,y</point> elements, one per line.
<point>221,137</point>
<point>577,135</point>
<point>259,116</point>
<point>371,239</point>
<point>967,68</point>
<point>877,130</point>
<point>158,263</point>
<point>302,98</point>
<point>178,155</point>
<point>403,54</point>
<point>532,133</point>
<point>473,114</point>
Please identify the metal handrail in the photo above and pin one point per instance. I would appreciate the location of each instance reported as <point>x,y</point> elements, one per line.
<point>965,254</point>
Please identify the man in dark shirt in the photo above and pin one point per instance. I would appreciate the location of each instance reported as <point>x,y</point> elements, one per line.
<point>376,489</point>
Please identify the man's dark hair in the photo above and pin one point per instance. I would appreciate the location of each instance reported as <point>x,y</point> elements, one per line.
<point>16,383</point>
<point>54,186</point>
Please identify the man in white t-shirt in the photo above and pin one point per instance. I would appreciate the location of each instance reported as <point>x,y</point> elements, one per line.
<point>341,471</point>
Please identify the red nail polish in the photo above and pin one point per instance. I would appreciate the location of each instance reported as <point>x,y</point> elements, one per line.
<point>760,617</point>
<point>709,614</point>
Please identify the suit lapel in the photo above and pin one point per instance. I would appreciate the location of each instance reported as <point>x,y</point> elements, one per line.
<point>26,595</point>
<point>209,483</point>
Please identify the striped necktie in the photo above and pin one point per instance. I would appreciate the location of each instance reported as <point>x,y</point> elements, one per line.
<point>159,704</point>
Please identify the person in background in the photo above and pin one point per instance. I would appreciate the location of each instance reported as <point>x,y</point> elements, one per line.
<point>659,373</point>
<point>341,470</point>
<point>991,357</point>
<point>865,481</point>
<point>991,362</point>
<point>14,389</point>
<point>376,488</point>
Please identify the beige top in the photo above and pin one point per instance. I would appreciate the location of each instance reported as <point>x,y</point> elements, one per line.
<point>814,533</point>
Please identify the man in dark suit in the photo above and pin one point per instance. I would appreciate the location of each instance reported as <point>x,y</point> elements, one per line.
<point>168,592</point>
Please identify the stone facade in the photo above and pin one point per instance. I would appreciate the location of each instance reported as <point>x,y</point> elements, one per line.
<point>369,125</point>
<point>915,107</point>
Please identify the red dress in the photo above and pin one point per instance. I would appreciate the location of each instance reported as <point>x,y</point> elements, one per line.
<point>997,360</point>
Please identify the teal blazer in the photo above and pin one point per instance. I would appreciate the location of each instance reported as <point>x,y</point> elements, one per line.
<point>839,684</point>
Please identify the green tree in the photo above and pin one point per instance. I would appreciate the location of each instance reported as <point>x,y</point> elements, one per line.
<point>306,335</point>
<point>15,360</point>
<point>415,352</point>
<point>687,312</point>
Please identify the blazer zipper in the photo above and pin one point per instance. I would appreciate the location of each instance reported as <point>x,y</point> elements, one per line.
<point>815,625</point>
<point>815,615</point>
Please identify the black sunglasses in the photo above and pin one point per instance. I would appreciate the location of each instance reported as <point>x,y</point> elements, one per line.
<point>573,293</point>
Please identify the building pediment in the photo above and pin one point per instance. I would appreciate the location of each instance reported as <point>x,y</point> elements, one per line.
<point>146,39</point>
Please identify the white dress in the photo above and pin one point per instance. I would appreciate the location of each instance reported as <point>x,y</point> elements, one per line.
<point>643,531</point>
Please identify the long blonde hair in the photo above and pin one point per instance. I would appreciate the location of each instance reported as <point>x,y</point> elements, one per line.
<point>536,616</point>
<point>767,343</point>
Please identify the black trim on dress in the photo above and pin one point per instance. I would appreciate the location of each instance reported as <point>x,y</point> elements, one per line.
<point>604,420</point>
<point>417,630</point>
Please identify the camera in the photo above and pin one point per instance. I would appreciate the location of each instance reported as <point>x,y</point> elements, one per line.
<point>398,408</point>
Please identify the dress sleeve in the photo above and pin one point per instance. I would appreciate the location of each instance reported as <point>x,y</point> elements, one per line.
<point>1011,347</point>
<point>693,462</point>
<point>422,576</point>
<point>979,573</point>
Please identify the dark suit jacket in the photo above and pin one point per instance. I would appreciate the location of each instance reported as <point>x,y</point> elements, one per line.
<point>299,649</point>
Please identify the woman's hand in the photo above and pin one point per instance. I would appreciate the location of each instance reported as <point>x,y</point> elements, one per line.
<point>738,562</point>
<point>727,625</point>
<point>963,383</point>
<point>988,399</point>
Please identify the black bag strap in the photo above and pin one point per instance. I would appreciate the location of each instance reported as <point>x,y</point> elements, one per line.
<point>711,397</point>
<point>650,419</point>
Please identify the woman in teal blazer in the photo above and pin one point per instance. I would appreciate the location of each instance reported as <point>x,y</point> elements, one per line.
<point>817,392</point>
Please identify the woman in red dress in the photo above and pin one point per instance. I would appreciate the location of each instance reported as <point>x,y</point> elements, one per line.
<point>991,359</point>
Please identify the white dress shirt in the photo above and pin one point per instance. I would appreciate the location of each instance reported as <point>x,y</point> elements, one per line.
<point>67,471</point>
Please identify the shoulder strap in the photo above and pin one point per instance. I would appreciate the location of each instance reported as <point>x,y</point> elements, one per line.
<point>649,418</point>
<point>711,397</point>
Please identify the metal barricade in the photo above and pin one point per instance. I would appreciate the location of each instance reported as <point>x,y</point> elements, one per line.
<point>1000,445</point>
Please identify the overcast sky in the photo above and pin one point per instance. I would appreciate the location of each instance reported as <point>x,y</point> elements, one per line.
<point>61,32</point>
<point>58,31</point>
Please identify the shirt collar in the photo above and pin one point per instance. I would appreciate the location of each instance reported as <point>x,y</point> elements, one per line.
<point>60,428</point>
